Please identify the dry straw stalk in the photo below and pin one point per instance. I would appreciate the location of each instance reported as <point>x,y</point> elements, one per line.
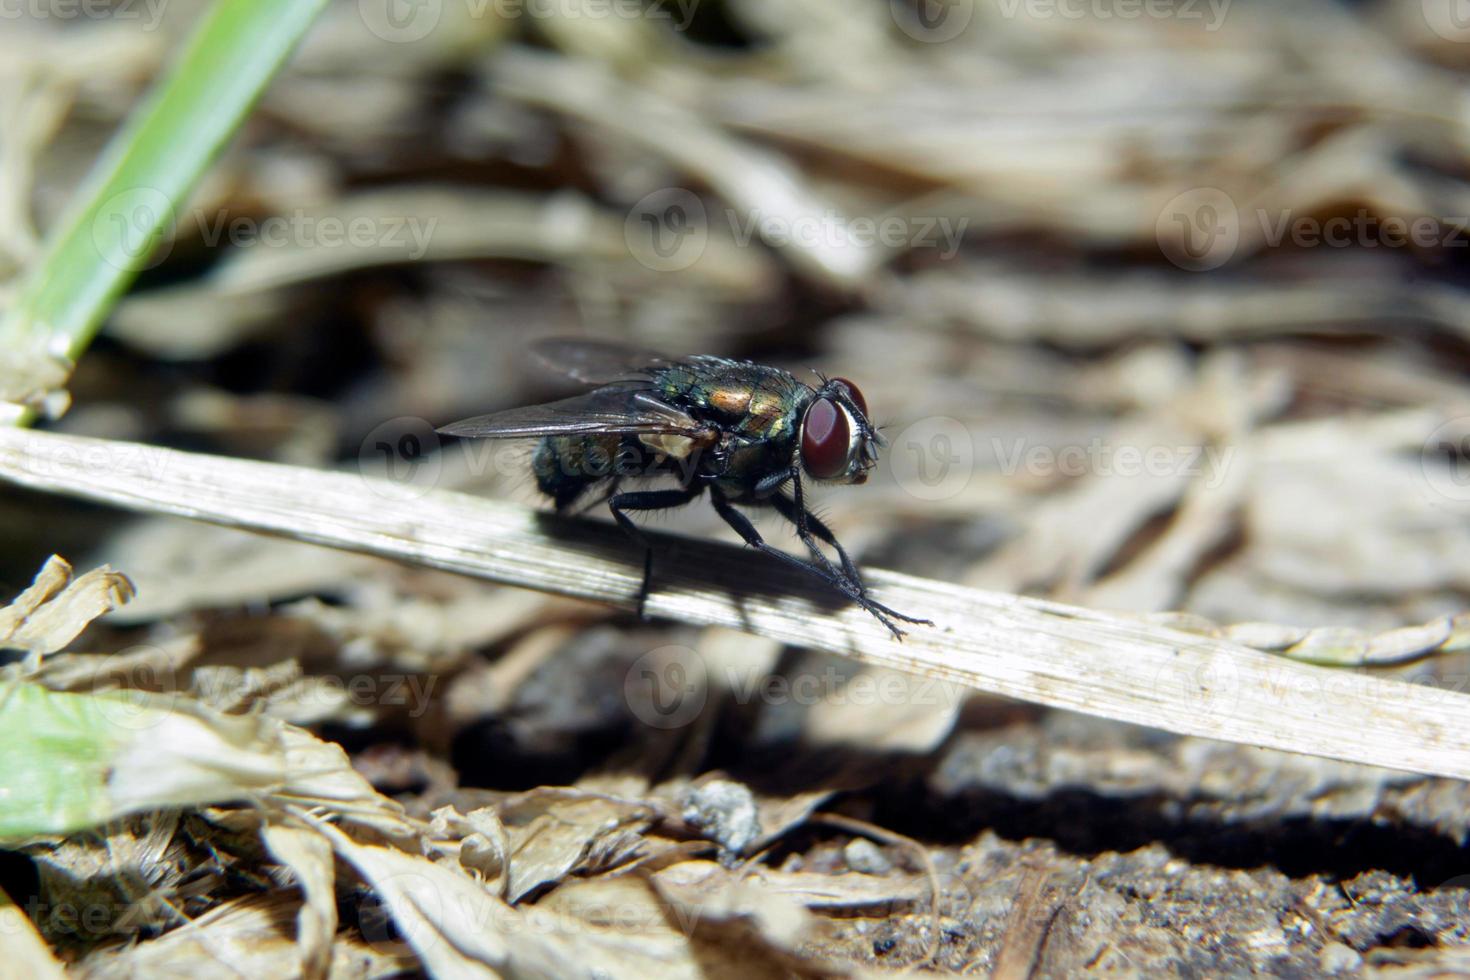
<point>1028,649</point>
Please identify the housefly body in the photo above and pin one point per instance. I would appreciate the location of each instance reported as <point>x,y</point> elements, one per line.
<point>743,432</point>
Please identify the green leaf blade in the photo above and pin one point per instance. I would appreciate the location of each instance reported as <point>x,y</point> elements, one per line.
<point>128,203</point>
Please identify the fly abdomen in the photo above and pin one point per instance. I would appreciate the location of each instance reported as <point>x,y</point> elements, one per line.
<point>568,466</point>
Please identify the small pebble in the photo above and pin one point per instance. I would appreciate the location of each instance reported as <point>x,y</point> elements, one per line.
<point>723,811</point>
<point>1339,958</point>
<point>864,856</point>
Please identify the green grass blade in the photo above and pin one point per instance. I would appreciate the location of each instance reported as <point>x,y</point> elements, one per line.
<point>128,202</point>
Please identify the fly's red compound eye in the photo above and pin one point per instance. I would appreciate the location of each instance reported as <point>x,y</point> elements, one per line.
<point>855,395</point>
<point>825,436</point>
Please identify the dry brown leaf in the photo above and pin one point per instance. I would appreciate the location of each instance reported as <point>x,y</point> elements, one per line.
<point>56,608</point>
<point>555,833</point>
<point>309,856</point>
<point>249,936</point>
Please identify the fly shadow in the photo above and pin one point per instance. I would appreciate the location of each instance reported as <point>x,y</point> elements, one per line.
<point>689,565</point>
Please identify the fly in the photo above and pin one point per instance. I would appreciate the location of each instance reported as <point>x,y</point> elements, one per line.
<point>743,432</point>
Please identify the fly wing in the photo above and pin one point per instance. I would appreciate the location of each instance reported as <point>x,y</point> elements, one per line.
<point>613,409</point>
<point>596,362</point>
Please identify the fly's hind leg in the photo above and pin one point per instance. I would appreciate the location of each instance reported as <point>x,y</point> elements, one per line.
<point>621,503</point>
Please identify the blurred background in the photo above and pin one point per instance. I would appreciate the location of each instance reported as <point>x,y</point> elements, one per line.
<point>1163,303</point>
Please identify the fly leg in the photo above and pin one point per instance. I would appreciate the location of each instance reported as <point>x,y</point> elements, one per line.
<point>619,503</point>
<point>808,525</point>
<point>851,589</point>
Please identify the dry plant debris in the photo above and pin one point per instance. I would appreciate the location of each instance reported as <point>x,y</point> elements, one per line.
<point>446,891</point>
<point>372,768</point>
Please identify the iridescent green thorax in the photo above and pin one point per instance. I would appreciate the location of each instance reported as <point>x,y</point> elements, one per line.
<point>756,401</point>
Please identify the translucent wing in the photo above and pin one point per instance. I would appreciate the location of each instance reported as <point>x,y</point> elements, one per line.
<point>596,362</point>
<point>614,409</point>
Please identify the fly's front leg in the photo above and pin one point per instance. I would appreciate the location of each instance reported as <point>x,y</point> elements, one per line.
<point>808,524</point>
<point>620,503</point>
<point>798,515</point>
<point>852,590</point>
